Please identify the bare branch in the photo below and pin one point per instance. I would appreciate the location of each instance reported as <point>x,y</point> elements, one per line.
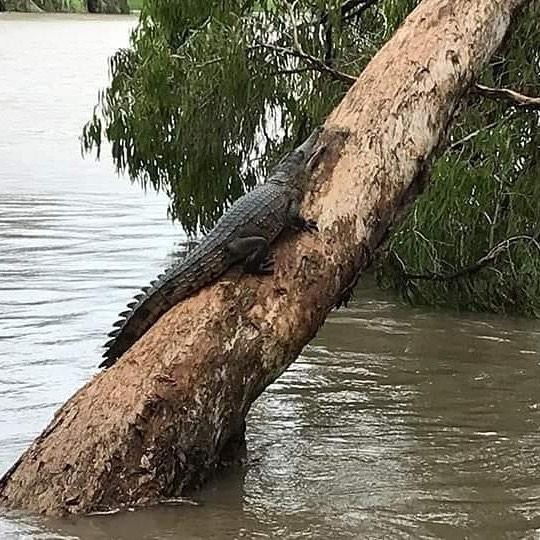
<point>314,61</point>
<point>475,267</point>
<point>296,40</point>
<point>348,13</point>
<point>505,94</point>
<point>293,71</point>
<point>476,132</point>
<point>348,7</point>
<point>328,44</point>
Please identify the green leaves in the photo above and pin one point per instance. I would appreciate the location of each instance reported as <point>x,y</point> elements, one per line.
<point>205,99</point>
<point>485,189</point>
<point>211,93</point>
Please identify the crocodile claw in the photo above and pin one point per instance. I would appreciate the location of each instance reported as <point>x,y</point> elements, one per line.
<point>310,226</point>
<point>267,267</point>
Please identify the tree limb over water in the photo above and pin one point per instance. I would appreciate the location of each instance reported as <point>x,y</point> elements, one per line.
<point>475,267</point>
<point>314,62</point>
<point>172,409</point>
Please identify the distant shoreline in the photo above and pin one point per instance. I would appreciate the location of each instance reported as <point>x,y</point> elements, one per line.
<point>118,7</point>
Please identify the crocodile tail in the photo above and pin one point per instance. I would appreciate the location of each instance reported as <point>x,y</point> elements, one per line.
<point>146,308</point>
<point>154,301</point>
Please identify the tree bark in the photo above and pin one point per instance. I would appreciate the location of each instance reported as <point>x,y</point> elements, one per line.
<point>167,413</point>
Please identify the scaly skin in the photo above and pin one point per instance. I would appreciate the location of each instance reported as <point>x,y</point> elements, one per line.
<point>242,235</point>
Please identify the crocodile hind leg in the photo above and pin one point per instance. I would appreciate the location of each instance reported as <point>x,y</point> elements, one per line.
<point>253,251</point>
<point>296,222</point>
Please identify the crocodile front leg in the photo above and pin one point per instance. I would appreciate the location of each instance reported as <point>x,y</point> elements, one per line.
<point>253,251</point>
<point>296,222</point>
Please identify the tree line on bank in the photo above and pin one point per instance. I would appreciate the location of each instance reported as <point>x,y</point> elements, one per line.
<point>69,6</point>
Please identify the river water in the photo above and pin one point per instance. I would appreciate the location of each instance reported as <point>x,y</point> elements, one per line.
<point>394,422</point>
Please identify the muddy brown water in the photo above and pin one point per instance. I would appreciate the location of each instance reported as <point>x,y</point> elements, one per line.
<point>394,422</point>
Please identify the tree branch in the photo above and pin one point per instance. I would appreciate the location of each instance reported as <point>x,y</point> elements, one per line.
<point>348,13</point>
<point>505,94</point>
<point>293,71</point>
<point>298,52</point>
<point>477,132</point>
<point>348,7</point>
<point>328,44</point>
<point>475,267</point>
<point>315,63</point>
<point>296,40</point>
<point>313,60</point>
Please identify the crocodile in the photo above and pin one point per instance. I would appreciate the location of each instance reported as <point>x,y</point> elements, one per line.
<point>242,236</point>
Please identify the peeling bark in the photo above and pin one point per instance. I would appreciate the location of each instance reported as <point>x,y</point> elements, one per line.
<point>160,421</point>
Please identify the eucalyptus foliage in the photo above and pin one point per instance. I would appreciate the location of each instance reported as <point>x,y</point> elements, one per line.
<point>210,93</point>
<point>484,195</point>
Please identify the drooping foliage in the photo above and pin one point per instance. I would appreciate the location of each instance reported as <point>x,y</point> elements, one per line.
<point>484,198</point>
<point>210,93</point>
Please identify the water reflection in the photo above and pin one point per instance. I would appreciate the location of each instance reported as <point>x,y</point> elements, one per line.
<point>393,423</point>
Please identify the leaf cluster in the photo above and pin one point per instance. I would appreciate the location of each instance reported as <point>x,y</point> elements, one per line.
<point>209,94</point>
<point>485,188</point>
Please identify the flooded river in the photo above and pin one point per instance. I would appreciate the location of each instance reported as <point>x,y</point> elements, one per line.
<point>394,423</point>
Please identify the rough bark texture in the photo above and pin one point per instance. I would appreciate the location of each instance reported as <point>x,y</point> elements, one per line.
<point>160,420</point>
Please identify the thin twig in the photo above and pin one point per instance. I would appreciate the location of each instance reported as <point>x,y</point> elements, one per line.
<point>352,14</point>
<point>490,256</point>
<point>296,41</point>
<point>347,13</point>
<point>477,132</point>
<point>204,64</point>
<point>349,6</point>
<point>328,44</point>
<point>316,62</point>
<point>300,53</point>
<point>505,94</point>
<point>293,71</point>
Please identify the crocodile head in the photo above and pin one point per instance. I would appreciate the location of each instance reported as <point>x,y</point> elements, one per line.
<point>292,168</point>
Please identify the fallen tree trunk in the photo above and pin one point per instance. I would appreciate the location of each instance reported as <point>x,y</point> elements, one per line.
<point>168,412</point>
